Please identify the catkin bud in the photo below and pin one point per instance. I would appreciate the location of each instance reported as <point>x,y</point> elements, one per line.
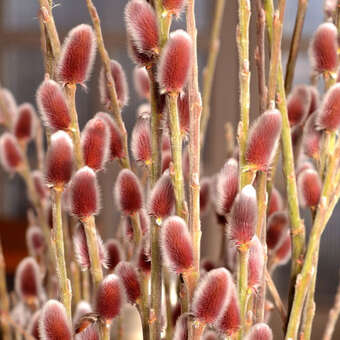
<point>283,253</point>
<point>141,141</point>
<point>144,260</point>
<point>181,329</point>
<point>25,124</point>
<point>33,326</point>
<point>255,263</point>
<point>53,106</point>
<point>128,192</point>
<point>309,185</point>
<point>90,333</point>
<point>162,198</point>
<point>226,187</point>
<point>176,245</point>
<point>212,295</point>
<point>276,229</point>
<point>141,25</point>
<point>35,240</point>
<point>298,104</point>
<point>110,297</point>
<point>328,117</point>
<point>262,139</point>
<point>54,324</point>
<point>311,141</point>
<point>166,160</point>
<point>129,276</point>
<point>174,7</point>
<point>315,99</point>
<point>82,308</point>
<point>59,159</point>
<point>275,202</point>
<point>243,216</point>
<point>10,105</point>
<point>40,185</point>
<point>140,58</point>
<point>120,85</point>
<point>323,48</point>
<point>10,154</point>
<point>260,331</point>
<point>141,82</point>
<point>184,112</point>
<point>114,253</point>
<point>174,65</point>
<point>116,142</point>
<point>95,143</point>
<point>84,193</point>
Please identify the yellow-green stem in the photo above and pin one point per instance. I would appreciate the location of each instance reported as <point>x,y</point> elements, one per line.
<point>242,280</point>
<point>137,233</point>
<point>144,304</point>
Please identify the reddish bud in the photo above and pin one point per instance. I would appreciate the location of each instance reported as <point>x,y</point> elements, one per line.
<point>184,112</point>
<point>309,185</point>
<point>25,124</point>
<point>129,277</point>
<point>212,295</point>
<point>329,7</point>
<point>243,217</point>
<point>116,142</point>
<point>95,143</point>
<point>311,137</point>
<point>166,146</point>
<point>323,48</point>
<point>54,324</point>
<point>40,185</point>
<point>255,263</point>
<point>176,245</point>
<point>162,198</point>
<point>81,250</point>
<point>11,107</point>
<point>262,139</point>
<point>120,85</point>
<point>275,202</point>
<point>328,117</point>
<point>144,260</point>
<point>90,333</point>
<point>283,253</point>
<point>204,195</point>
<point>141,81</point>
<point>181,329</point>
<point>140,58</point>
<point>314,102</point>
<point>174,7</point>
<point>34,324</point>
<point>84,193</point>
<point>141,141</point>
<point>230,320</point>
<point>110,297</point>
<point>276,229</point>
<point>35,240</point>
<point>298,104</point>
<point>114,253</point>
<point>207,265</point>
<point>210,335</point>
<point>144,111</point>
<point>260,331</point>
<point>59,159</point>
<point>53,106</point>
<point>166,160</point>
<point>128,192</point>
<point>175,62</point>
<point>28,285</point>
<point>226,187</point>
<point>77,55</point>
<point>141,25</point>
<point>82,308</point>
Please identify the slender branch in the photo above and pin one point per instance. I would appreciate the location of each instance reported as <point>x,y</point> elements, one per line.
<point>243,253</point>
<point>4,296</point>
<point>294,46</point>
<point>209,70</point>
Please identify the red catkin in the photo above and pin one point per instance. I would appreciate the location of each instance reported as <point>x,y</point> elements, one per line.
<point>166,159</point>
<point>53,106</point>
<point>174,65</point>
<point>311,140</point>
<point>120,85</point>
<point>212,295</point>
<point>53,322</point>
<point>82,308</point>
<point>141,141</point>
<point>176,245</point>
<point>298,104</point>
<point>275,202</point>
<point>260,331</point>
<point>33,326</point>
<point>114,253</point>
<point>276,229</point>
<point>90,333</point>
<point>144,260</point>
<point>40,185</point>
<point>59,159</point>
<point>141,82</point>
<point>128,192</point>
<point>283,253</point>
<point>10,154</point>
<point>255,263</point>
<point>309,185</point>
<point>25,124</point>
<point>262,139</point>
<point>184,112</point>
<point>84,193</point>
<point>77,55</point>
<point>174,7</point>
<point>315,99</point>
<point>35,240</point>
<point>95,143</point>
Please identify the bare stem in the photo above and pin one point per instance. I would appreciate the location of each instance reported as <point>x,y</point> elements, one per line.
<point>243,253</point>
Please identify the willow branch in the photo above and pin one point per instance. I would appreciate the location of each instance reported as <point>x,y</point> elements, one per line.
<point>243,255</point>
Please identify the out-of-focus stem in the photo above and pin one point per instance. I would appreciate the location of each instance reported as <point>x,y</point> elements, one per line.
<point>243,254</point>
<point>85,286</point>
<point>19,331</point>
<point>209,70</point>
<point>169,324</point>
<point>144,304</point>
<point>294,46</point>
<point>137,233</point>
<point>176,152</point>
<point>114,106</point>
<point>244,79</point>
<point>64,283</point>
<point>75,280</point>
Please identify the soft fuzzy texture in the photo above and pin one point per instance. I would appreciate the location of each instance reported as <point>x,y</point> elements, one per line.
<point>298,104</point>
<point>11,157</point>
<point>311,140</point>
<point>53,106</point>
<point>25,124</point>
<point>176,245</point>
<point>184,112</point>
<point>275,202</point>
<point>77,55</point>
<point>260,331</point>
<point>175,62</point>
<point>40,185</point>
<point>181,328</point>
<point>141,141</point>
<point>10,104</point>
<point>277,225</point>
<point>114,253</point>
<point>35,240</point>
<point>283,253</point>
<point>309,186</point>
<point>82,308</point>
<point>174,7</point>
<point>255,263</point>
<point>33,326</point>
<point>141,82</point>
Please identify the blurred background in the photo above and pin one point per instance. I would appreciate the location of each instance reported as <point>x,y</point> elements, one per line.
<point>21,70</point>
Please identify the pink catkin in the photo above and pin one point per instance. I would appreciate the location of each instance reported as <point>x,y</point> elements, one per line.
<point>114,253</point>
<point>120,85</point>
<point>141,141</point>
<point>243,216</point>
<point>143,259</point>
<point>116,141</point>
<point>174,7</point>
<point>212,295</point>
<point>40,185</point>
<point>82,308</point>
<point>10,154</point>
<point>255,263</point>
<point>176,245</point>
<point>162,198</point>
<point>10,105</point>
<point>59,159</point>
<point>181,328</point>
<point>260,331</point>
<point>53,322</point>
<point>166,160</point>
<point>262,139</point>
<point>141,82</point>
<point>310,186</point>
<point>276,229</point>
<point>174,65</point>
<point>283,253</point>
<point>184,112</point>
<point>315,98</point>
<point>25,124</point>
<point>35,240</point>
<point>323,48</point>
<point>275,202</point>
<point>84,193</point>
<point>77,55</point>
<point>53,106</point>
<point>128,192</point>
<point>298,104</point>
<point>140,58</point>
<point>90,333</point>
<point>33,326</point>
<point>95,143</point>
<point>311,140</point>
